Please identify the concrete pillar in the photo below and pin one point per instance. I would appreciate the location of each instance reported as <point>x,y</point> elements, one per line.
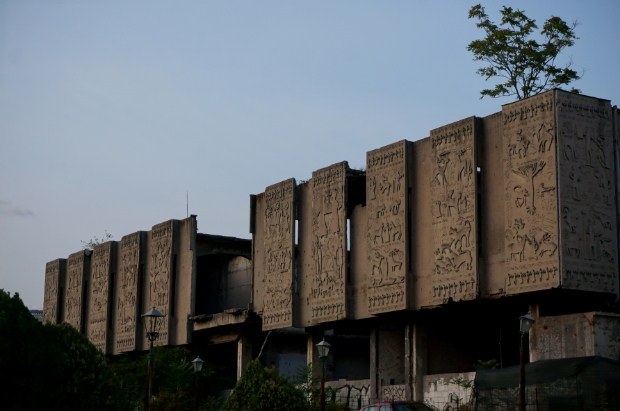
<point>374,360</point>
<point>315,336</point>
<point>244,354</point>
<point>534,309</point>
<point>419,365</point>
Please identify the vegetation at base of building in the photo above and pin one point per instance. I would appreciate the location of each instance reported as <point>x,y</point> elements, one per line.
<point>173,381</point>
<point>50,367</point>
<point>54,367</point>
<point>90,244</point>
<point>264,389</point>
<point>486,365</point>
<point>527,66</point>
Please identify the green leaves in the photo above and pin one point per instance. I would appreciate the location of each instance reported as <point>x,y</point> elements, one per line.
<point>527,66</point>
<point>264,389</point>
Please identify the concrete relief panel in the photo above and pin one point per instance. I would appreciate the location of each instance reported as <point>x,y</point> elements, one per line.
<point>329,243</point>
<point>128,287</point>
<point>530,195</point>
<point>453,208</point>
<point>74,289</point>
<point>388,213</point>
<point>51,298</point>
<point>588,239</point>
<point>279,262</point>
<point>100,277</point>
<point>160,274</point>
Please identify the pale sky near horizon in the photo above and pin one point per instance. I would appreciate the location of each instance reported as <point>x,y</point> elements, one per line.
<point>110,111</point>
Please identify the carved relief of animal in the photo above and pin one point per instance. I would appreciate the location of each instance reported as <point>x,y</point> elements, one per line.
<point>462,234</point>
<point>546,246</point>
<point>451,204</point>
<point>545,137</point>
<point>398,258</point>
<point>515,249</point>
<point>458,260</point>
<point>542,190</point>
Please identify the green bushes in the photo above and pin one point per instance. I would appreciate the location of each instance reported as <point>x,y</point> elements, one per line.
<point>263,389</point>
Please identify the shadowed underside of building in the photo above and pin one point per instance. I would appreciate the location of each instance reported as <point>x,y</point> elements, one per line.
<point>413,269</point>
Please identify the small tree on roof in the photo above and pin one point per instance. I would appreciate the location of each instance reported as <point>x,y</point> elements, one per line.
<point>527,66</point>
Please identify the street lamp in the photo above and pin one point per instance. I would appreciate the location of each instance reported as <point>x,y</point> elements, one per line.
<point>153,320</point>
<point>197,363</point>
<point>323,348</point>
<point>525,323</point>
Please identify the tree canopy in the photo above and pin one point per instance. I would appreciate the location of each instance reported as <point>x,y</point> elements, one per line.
<point>49,367</point>
<point>527,66</point>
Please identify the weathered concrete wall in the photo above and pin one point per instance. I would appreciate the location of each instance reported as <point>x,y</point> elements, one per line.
<point>453,187</point>
<point>54,282</point>
<point>279,248</point>
<point>530,178</point>
<point>354,393</point>
<point>286,351</point>
<point>576,335</point>
<point>587,202</point>
<point>127,292</point>
<point>387,229</point>
<point>99,291</point>
<point>492,233</point>
<point>74,304</point>
<point>439,389</point>
<point>422,250</point>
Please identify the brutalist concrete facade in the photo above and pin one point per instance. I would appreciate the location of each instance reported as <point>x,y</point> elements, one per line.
<point>420,264</point>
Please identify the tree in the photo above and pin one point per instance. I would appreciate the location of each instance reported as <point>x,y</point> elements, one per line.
<point>263,389</point>
<point>50,367</point>
<point>527,66</point>
<point>90,245</point>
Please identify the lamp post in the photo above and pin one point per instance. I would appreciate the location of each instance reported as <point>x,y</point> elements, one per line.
<point>197,363</point>
<point>525,323</point>
<point>323,348</point>
<point>153,321</point>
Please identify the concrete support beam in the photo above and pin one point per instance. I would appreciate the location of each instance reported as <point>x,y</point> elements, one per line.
<point>315,336</point>
<point>374,360</point>
<point>244,354</point>
<point>419,364</point>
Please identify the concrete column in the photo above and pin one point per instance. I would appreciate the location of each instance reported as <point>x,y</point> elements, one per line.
<point>374,360</point>
<point>419,364</point>
<point>534,309</point>
<point>315,336</point>
<point>244,354</point>
<point>409,360</point>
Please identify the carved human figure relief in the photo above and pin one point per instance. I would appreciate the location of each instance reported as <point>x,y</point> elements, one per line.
<point>386,238</point>
<point>279,251</point>
<point>160,274</point>
<point>531,227</point>
<point>453,210</point>
<point>127,289</point>
<point>327,297</point>
<point>586,194</point>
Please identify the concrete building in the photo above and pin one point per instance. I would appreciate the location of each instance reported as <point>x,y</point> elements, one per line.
<point>413,269</point>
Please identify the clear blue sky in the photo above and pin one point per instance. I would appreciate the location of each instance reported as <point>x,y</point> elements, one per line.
<point>111,110</point>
